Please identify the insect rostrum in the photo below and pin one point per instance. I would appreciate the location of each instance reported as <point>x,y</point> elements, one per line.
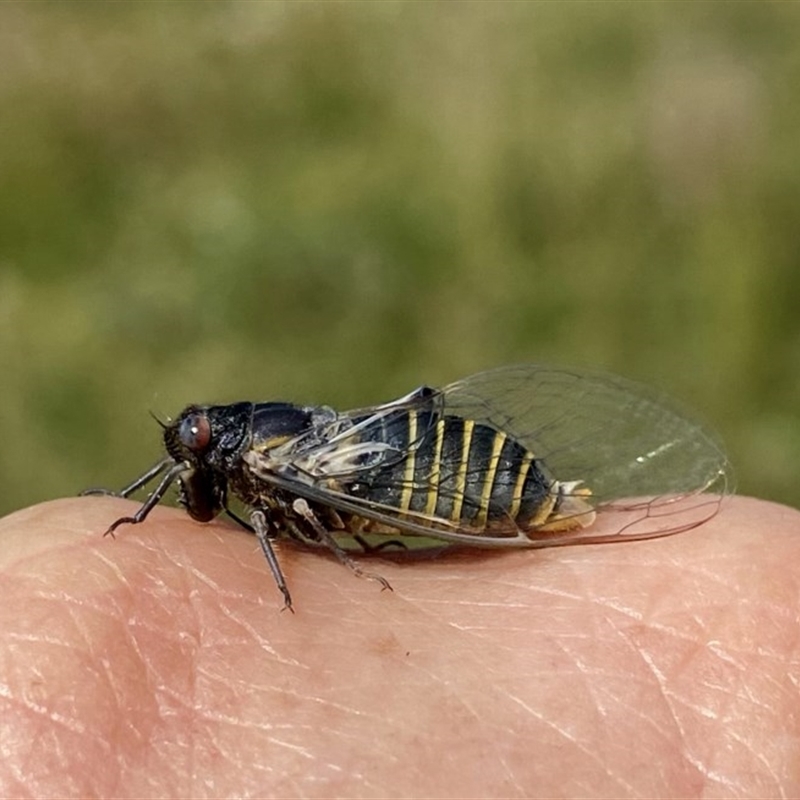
<point>521,456</point>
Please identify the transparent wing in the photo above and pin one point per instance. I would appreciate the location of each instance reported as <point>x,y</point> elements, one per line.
<point>650,468</point>
<point>641,456</point>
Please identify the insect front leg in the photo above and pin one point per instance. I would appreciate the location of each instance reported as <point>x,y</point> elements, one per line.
<point>153,500</point>
<point>303,510</point>
<point>261,528</point>
<point>142,480</point>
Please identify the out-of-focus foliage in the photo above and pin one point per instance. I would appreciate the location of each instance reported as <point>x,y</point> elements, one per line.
<point>337,202</point>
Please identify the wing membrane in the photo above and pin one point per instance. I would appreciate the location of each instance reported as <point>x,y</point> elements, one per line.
<point>622,439</point>
<point>651,469</point>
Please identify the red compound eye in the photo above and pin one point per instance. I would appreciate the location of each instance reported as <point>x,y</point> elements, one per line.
<point>195,431</point>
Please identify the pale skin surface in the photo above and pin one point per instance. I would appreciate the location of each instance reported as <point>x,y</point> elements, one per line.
<point>160,664</point>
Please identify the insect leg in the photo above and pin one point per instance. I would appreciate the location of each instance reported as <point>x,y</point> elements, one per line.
<point>338,524</point>
<point>261,528</point>
<point>153,500</point>
<point>302,509</point>
<point>376,548</point>
<point>142,480</point>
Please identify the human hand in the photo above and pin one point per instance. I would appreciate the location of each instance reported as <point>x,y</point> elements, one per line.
<point>160,664</point>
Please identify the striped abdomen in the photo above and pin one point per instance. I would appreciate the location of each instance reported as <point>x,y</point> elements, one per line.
<point>457,470</point>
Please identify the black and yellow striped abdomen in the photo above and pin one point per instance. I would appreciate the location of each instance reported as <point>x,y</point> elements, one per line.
<point>456,470</point>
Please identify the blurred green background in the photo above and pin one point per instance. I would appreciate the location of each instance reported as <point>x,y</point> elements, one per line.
<point>338,202</point>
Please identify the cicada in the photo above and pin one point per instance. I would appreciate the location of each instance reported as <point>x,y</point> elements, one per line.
<point>521,456</point>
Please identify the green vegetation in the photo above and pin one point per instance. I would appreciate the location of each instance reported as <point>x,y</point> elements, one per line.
<point>338,202</point>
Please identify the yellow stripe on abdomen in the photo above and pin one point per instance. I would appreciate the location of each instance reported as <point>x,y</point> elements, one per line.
<point>488,479</point>
<point>461,476</point>
<point>436,471</point>
<point>411,459</point>
<point>519,485</point>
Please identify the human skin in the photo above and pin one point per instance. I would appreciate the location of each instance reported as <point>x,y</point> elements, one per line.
<point>160,664</point>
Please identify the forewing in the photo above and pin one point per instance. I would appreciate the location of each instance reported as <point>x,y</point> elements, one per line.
<point>650,468</point>
<point>632,447</point>
<point>359,444</point>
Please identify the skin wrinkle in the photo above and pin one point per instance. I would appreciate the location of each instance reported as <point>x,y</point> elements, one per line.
<point>43,639</point>
<point>483,666</point>
<point>129,727</point>
<point>586,674</point>
<point>710,776</point>
<point>734,695</point>
<point>698,708</point>
<point>776,782</point>
<point>377,752</point>
<point>706,766</point>
<point>660,682</point>
<point>218,590</point>
<point>42,714</point>
<point>701,624</point>
<point>548,591</point>
<point>341,733</point>
<point>674,701</point>
<point>477,716</point>
<point>42,711</point>
<point>157,683</point>
<point>70,603</point>
<point>715,646</point>
<point>111,565</point>
<point>319,776</point>
<point>706,712</point>
<point>510,774</point>
<point>640,713</point>
<point>229,719</point>
<point>747,695</point>
<point>303,751</point>
<point>590,677</point>
<point>762,651</point>
<point>251,631</point>
<point>599,623</point>
<point>708,579</point>
<point>590,754</point>
<point>728,658</point>
<point>325,703</point>
<point>615,605</point>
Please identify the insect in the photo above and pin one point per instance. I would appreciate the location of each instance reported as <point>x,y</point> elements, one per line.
<point>521,456</point>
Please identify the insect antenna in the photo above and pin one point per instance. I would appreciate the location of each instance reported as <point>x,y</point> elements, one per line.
<point>164,425</point>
